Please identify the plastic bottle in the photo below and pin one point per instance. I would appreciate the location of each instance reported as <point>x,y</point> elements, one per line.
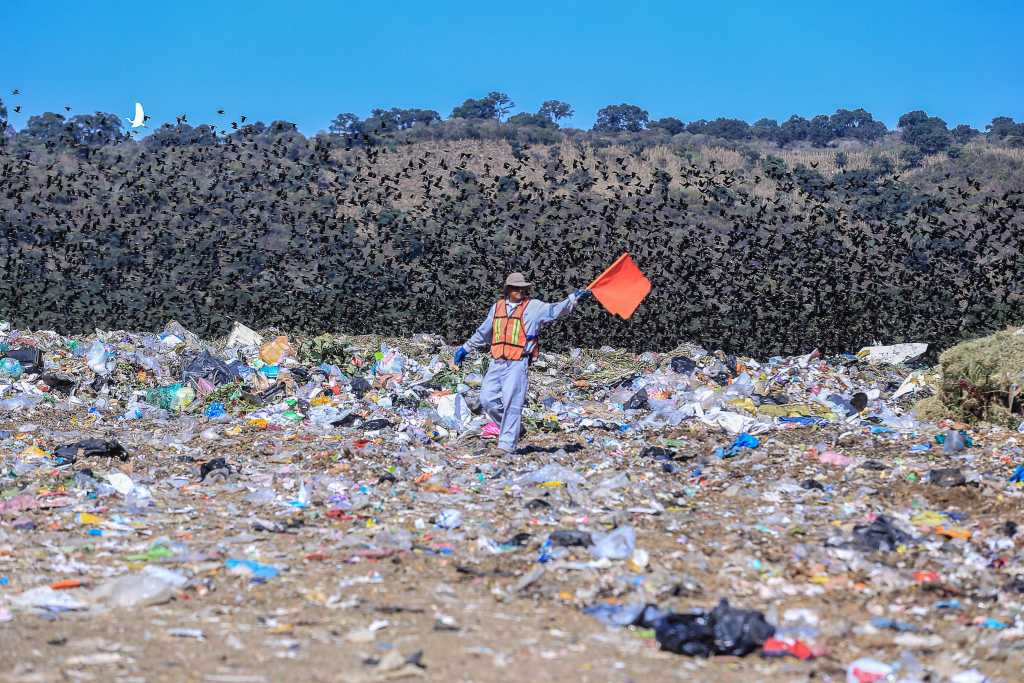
<point>10,367</point>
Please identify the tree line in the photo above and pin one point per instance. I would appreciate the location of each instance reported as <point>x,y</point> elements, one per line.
<point>490,118</point>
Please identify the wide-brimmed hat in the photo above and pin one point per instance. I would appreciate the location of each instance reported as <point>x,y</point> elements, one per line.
<point>517,280</point>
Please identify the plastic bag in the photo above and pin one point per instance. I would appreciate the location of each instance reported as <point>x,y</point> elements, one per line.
<point>551,472</point>
<point>724,631</point>
<point>881,534</point>
<point>617,545</point>
<point>10,367</point>
<point>99,359</point>
<point>392,362</point>
<point>206,366</point>
<point>454,411</point>
<point>91,448</point>
<point>274,351</point>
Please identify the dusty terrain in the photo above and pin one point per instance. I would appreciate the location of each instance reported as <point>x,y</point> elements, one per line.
<point>395,550</point>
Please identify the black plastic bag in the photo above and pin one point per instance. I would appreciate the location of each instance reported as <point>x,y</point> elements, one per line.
<point>91,448</point>
<point>947,477</point>
<point>739,632</point>
<point>210,368</point>
<point>570,537</point>
<point>683,365</point>
<point>359,386</point>
<point>519,540</point>
<point>218,468</point>
<point>724,631</point>
<point>881,534</point>
<point>658,453</point>
<point>686,634</point>
<point>638,401</point>
<point>60,385</point>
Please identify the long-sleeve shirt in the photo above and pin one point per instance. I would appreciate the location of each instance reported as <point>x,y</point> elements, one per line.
<point>537,313</point>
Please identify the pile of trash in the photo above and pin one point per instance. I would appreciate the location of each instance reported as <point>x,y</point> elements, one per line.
<point>279,494</point>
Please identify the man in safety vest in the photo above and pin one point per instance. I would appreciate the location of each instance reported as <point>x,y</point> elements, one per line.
<point>511,330</point>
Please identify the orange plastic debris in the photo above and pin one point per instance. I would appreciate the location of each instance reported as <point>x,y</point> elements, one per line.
<point>953,532</point>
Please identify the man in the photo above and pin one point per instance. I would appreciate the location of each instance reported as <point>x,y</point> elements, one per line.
<point>511,330</point>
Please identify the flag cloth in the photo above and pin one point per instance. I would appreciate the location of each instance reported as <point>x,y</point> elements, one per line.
<point>621,287</point>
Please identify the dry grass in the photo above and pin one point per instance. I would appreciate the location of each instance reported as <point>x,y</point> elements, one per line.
<point>487,159</point>
<point>980,147</point>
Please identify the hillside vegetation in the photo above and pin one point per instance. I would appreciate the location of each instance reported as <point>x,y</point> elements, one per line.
<point>751,247</point>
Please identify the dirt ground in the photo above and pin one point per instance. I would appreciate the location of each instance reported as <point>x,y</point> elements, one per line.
<point>356,600</point>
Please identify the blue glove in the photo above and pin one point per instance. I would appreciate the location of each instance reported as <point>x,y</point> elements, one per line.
<point>583,294</point>
<point>460,355</point>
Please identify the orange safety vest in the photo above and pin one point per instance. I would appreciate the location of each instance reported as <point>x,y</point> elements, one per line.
<point>508,335</point>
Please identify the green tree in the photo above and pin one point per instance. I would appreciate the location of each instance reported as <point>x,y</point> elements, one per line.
<point>963,133</point>
<point>48,129</point>
<point>729,129</point>
<point>422,117</point>
<point>96,130</point>
<point>669,124</point>
<point>819,132</point>
<point>502,104</point>
<point>794,129</point>
<point>927,133</point>
<point>765,129</point>
<point>494,106</point>
<point>617,118</point>
<point>1004,127</point>
<point>344,124</point>
<point>858,124</point>
<point>475,109</point>
<point>912,118</point>
<point>539,120</point>
<point>555,110</point>
<point>390,120</point>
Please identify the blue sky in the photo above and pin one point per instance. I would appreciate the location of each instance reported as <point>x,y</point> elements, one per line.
<point>306,61</point>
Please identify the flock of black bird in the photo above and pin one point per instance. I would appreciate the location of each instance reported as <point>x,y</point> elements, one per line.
<point>312,234</point>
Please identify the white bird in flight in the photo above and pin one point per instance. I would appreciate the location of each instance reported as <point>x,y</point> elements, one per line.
<point>140,118</point>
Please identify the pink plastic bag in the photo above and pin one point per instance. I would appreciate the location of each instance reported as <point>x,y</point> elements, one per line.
<point>833,458</point>
<point>490,430</point>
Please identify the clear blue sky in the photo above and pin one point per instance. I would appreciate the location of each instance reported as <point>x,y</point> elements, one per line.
<point>306,61</point>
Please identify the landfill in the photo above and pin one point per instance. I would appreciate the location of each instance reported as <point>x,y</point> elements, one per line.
<point>268,506</point>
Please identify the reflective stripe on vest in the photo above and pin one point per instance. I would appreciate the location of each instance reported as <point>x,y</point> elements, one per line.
<point>508,337</point>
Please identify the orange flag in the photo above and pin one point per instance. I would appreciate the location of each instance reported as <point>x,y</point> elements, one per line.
<point>621,287</point>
